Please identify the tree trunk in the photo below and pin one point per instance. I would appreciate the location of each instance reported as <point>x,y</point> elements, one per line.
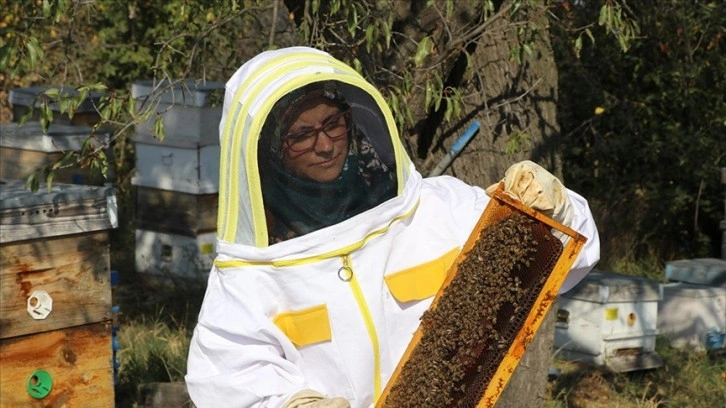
<point>515,103</point>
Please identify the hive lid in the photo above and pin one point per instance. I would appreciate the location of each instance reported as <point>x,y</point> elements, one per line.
<point>65,209</point>
<point>190,93</point>
<point>703,271</point>
<point>57,138</point>
<point>13,194</point>
<point>29,96</point>
<point>609,287</point>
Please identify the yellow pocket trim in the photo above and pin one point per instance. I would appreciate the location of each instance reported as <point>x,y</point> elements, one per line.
<point>421,281</point>
<point>306,326</point>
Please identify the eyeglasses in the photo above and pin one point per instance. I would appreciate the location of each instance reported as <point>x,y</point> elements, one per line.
<point>336,127</point>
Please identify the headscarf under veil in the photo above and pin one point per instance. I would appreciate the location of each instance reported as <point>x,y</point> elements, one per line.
<point>295,206</point>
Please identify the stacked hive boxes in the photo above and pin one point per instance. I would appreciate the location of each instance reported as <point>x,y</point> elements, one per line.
<point>610,320</point>
<point>177,178</point>
<point>28,101</point>
<point>23,148</point>
<point>27,147</point>
<point>693,308</point>
<point>55,295</point>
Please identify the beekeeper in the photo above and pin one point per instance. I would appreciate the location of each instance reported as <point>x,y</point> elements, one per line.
<point>330,244</point>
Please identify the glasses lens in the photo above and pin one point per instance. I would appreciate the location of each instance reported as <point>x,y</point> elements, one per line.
<point>335,128</point>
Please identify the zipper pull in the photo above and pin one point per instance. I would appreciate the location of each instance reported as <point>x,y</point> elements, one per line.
<point>345,273</point>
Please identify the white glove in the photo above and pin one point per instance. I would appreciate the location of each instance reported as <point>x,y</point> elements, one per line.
<point>535,187</point>
<point>314,399</point>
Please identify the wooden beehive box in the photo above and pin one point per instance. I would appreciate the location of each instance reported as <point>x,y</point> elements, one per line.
<point>55,296</point>
<point>23,148</point>
<point>24,99</point>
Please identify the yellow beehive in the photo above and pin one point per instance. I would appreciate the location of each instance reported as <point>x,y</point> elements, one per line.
<point>487,311</point>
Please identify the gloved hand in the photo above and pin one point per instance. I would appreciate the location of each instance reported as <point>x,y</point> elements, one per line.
<point>535,187</point>
<point>314,399</point>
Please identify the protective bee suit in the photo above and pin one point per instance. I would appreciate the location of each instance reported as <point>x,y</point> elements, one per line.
<point>334,308</point>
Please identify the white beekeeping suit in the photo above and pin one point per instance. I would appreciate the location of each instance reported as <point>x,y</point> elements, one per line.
<point>333,309</point>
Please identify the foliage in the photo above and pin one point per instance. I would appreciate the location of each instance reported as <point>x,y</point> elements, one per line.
<point>75,47</point>
<point>643,130</point>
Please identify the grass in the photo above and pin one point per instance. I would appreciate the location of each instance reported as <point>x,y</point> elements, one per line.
<point>156,323</point>
<point>687,379</point>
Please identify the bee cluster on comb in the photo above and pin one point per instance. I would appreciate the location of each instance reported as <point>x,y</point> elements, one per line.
<point>477,317</point>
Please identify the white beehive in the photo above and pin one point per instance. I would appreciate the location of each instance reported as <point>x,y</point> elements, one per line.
<point>610,320</point>
<point>172,255</point>
<point>688,312</point>
<point>190,110</point>
<point>24,99</point>
<point>176,165</point>
<point>23,148</point>
<point>701,271</point>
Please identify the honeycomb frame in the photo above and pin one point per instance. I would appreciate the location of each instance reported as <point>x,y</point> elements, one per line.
<point>500,207</point>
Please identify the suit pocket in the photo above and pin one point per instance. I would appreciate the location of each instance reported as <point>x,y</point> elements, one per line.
<point>421,281</point>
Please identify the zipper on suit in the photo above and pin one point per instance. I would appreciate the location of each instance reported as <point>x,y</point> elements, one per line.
<point>347,274</point>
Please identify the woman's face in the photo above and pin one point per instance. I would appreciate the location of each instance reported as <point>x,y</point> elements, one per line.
<point>316,145</point>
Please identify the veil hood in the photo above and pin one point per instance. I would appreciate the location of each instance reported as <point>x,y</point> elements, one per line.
<point>250,95</point>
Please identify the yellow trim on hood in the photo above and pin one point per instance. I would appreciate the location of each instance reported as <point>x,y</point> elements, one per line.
<point>254,86</point>
<point>229,207</point>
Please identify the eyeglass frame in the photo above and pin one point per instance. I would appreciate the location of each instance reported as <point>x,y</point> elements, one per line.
<point>345,114</point>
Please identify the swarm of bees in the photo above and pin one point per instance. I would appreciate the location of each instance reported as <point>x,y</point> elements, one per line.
<point>470,328</point>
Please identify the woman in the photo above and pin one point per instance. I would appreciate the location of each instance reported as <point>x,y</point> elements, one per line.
<point>330,244</point>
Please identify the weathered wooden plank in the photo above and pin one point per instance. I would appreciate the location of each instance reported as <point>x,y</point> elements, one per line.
<point>78,359</point>
<point>74,270</point>
<point>175,212</point>
<point>67,209</point>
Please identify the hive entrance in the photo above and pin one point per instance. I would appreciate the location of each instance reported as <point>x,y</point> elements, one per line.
<point>485,315</point>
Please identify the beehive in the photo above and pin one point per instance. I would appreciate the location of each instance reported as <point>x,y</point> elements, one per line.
<point>55,295</point>
<point>610,320</point>
<point>486,313</point>
<point>688,312</point>
<point>24,148</point>
<point>177,178</point>
<point>23,100</point>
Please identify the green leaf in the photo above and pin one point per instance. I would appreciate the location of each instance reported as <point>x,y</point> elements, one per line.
<point>370,36</point>
<point>46,8</point>
<point>429,95</point>
<point>159,127</point>
<point>49,179</point>
<point>6,51</point>
<point>352,21</point>
<point>35,52</point>
<point>52,92</point>
<point>603,18</point>
<point>422,51</point>
<point>31,183</point>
